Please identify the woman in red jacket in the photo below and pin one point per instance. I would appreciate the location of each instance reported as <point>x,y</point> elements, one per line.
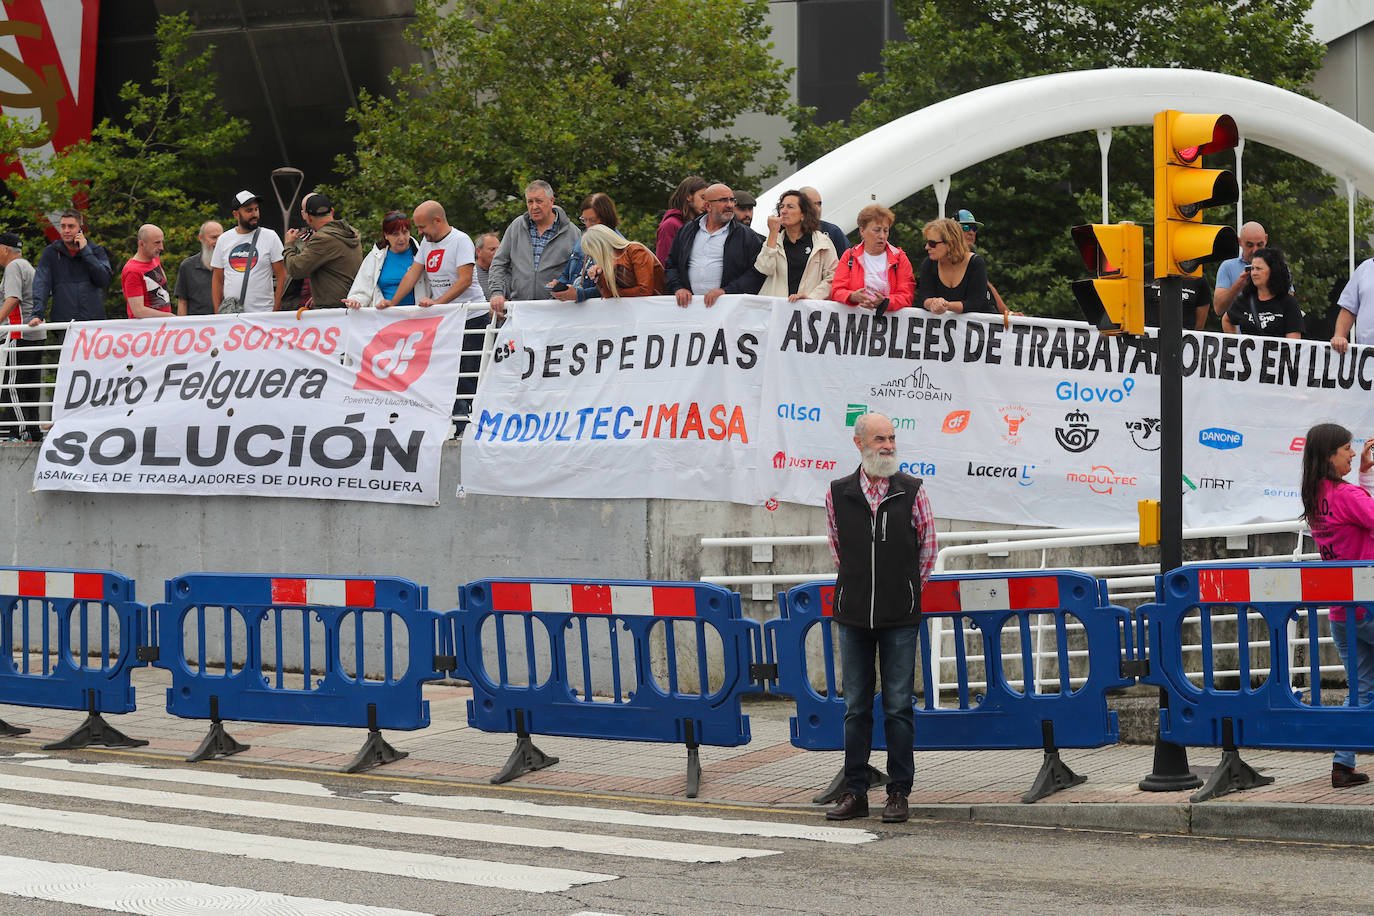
<point>874,274</point>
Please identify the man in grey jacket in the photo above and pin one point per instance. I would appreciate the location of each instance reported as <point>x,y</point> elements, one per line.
<point>533,250</point>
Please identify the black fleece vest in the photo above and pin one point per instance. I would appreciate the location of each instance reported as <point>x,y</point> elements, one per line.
<point>879,582</point>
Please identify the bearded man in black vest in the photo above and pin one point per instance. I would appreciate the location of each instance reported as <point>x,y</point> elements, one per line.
<point>882,537</point>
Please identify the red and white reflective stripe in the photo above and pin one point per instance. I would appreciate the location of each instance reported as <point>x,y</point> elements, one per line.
<point>327,592</point>
<point>586,598</point>
<point>1021,593</point>
<point>35,583</point>
<point>1321,583</point>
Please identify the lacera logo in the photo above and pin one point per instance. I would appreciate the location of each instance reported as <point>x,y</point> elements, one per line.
<point>1217,437</point>
<point>956,421</point>
<point>398,355</point>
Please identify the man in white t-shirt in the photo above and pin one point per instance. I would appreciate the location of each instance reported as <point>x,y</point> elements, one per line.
<point>446,256</point>
<point>237,252</point>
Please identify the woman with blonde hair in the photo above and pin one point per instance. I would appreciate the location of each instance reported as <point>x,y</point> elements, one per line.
<point>624,269</point>
<point>952,278</point>
<point>798,259</point>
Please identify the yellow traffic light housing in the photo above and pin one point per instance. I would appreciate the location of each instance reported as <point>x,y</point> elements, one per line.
<point>1114,302</point>
<point>1183,189</point>
<point>1148,511</point>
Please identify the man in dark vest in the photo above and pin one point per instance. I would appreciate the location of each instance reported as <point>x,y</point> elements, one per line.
<point>882,536</point>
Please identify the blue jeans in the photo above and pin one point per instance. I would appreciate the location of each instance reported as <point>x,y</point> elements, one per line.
<point>895,652</point>
<point>1362,691</point>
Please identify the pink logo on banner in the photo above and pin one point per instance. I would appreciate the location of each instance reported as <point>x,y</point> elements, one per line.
<point>398,355</point>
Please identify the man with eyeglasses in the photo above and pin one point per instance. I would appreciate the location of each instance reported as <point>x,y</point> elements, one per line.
<point>837,236</point>
<point>713,254</point>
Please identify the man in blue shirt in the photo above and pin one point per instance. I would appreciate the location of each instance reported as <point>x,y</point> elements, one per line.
<point>1231,274</point>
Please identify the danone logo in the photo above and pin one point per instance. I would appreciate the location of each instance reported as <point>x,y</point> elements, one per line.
<point>1217,437</point>
<point>398,355</point>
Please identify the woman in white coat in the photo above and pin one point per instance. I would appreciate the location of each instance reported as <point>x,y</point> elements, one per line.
<point>385,265</point>
<point>798,259</point>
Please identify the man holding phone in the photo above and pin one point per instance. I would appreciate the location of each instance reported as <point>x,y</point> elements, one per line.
<point>74,271</point>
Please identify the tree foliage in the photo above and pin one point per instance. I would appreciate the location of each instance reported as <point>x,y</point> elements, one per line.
<point>621,96</point>
<point>156,163</point>
<point>1030,197</point>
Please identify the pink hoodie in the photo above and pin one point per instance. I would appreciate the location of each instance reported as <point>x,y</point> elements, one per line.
<point>1345,524</point>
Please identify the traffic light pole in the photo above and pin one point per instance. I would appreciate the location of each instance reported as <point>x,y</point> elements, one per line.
<point>1170,773</point>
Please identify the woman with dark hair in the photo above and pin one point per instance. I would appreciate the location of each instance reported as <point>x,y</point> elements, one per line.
<point>385,265</point>
<point>1265,305</point>
<point>952,279</point>
<point>798,259</point>
<point>686,203</point>
<point>575,284</point>
<point>1341,516</point>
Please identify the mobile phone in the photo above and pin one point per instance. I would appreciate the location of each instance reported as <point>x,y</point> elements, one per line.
<point>881,307</point>
<point>559,286</point>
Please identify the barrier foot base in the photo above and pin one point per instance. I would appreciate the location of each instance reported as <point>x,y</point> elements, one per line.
<point>1170,773</point>
<point>1054,775</point>
<point>95,730</point>
<point>375,752</point>
<point>525,758</point>
<point>218,743</point>
<point>693,772</point>
<point>876,777</point>
<point>11,731</point>
<point>1231,775</point>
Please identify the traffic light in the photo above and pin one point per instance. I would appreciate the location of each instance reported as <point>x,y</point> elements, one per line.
<point>1183,189</point>
<point>1115,302</point>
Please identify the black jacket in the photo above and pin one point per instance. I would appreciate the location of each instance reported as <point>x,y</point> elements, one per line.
<point>879,581</point>
<point>76,282</point>
<point>737,275</point>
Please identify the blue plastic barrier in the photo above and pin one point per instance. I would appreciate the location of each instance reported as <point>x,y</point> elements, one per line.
<point>999,607</point>
<point>1258,707</point>
<point>265,681</point>
<point>542,684</point>
<point>69,641</point>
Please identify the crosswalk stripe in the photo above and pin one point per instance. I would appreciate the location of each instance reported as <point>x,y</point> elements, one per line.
<point>821,833</point>
<point>146,895</point>
<point>602,844</point>
<point>427,867</point>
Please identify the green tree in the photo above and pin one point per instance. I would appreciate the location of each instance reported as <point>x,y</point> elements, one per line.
<point>621,96</point>
<point>152,164</point>
<point>1030,197</point>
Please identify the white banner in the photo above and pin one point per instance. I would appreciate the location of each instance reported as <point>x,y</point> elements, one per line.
<point>336,404</point>
<point>621,398</point>
<point>1039,423</point>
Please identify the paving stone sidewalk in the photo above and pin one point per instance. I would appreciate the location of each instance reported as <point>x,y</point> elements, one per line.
<point>983,785</point>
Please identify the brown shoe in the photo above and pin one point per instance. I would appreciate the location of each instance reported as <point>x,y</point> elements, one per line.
<point>895,811</point>
<point>1343,777</point>
<point>849,807</point>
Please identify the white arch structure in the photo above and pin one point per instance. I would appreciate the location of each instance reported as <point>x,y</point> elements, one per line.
<point>890,163</point>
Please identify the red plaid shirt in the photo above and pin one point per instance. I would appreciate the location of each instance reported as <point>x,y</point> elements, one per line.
<point>922,520</point>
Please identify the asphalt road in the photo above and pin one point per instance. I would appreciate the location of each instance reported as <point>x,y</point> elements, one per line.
<point>104,833</point>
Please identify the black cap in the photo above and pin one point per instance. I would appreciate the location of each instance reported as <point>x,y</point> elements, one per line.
<point>317,205</point>
<point>11,240</point>
<point>244,197</point>
<point>744,199</point>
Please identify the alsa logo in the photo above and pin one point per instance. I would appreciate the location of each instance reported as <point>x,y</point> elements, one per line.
<point>1217,437</point>
<point>781,461</point>
<point>434,261</point>
<point>1145,433</point>
<point>1102,479</point>
<point>398,355</point>
<point>956,421</point>
<point>1076,435</point>
<point>1014,415</point>
<point>799,412</point>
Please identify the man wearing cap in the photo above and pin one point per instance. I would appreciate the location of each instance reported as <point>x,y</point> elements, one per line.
<point>143,279</point>
<point>328,256</point>
<point>837,236</point>
<point>248,251</point>
<point>744,208</point>
<point>75,272</point>
<point>194,276</point>
<point>18,309</point>
<point>971,226</point>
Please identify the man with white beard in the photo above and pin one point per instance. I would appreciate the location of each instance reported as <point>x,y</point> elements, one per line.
<point>882,538</point>
<point>194,276</point>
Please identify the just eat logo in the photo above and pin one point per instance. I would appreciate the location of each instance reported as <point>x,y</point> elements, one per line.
<point>398,355</point>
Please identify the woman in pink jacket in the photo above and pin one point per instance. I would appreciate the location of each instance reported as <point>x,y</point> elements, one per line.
<point>1341,516</point>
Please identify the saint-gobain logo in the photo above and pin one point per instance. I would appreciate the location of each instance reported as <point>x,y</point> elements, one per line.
<point>398,355</point>
<point>1217,437</point>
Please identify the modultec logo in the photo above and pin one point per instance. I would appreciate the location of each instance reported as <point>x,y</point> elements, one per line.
<point>398,355</point>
